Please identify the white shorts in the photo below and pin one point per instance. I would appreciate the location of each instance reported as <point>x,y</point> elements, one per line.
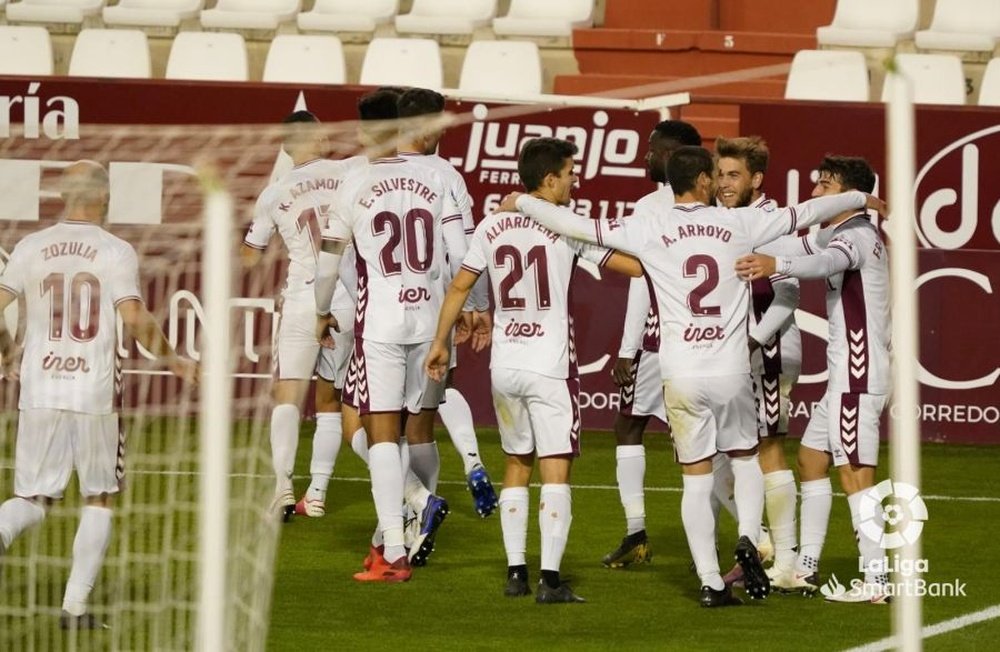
<point>644,397</point>
<point>296,348</point>
<point>773,395</point>
<point>51,443</point>
<point>384,377</point>
<point>536,413</point>
<point>711,414</point>
<point>332,364</point>
<point>846,425</point>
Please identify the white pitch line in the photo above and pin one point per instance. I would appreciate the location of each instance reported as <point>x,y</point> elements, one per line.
<point>959,622</point>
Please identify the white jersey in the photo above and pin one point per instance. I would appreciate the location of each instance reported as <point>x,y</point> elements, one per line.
<point>857,307</point>
<point>401,220</point>
<point>72,276</point>
<point>530,269</point>
<point>690,255</point>
<point>642,322</point>
<point>296,206</point>
<point>772,318</point>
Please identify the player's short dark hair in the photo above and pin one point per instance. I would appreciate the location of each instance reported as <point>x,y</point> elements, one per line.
<point>419,101</point>
<point>680,131</point>
<point>378,105</point>
<point>685,165</point>
<point>398,90</point>
<point>297,129</point>
<point>752,150</point>
<point>543,156</point>
<point>853,172</point>
<point>300,116</point>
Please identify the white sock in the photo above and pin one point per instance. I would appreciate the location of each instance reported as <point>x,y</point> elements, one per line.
<point>868,550</point>
<point>415,494</point>
<point>426,463</point>
<point>699,526</point>
<point>748,492</point>
<point>457,419</point>
<point>555,514</point>
<point>326,445</point>
<point>359,444</point>
<point>780,500</point>
<point>91,542</point>
<point>387,490</point>
<point>817,498</point>
<point>284,442</point>
<point>724,487</point>
<point>631,472</point>
<point>514,523</point>
<point>16,516</point>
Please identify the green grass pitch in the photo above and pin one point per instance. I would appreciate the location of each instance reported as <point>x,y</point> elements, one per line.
<point>456,601</point>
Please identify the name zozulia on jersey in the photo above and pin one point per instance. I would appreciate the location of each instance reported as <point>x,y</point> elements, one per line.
<point>80,249</point>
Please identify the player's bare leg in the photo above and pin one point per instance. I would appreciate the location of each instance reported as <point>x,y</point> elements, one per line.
<point>289,395</point>
<point>699,527</point>
<point>89,547</point>
<point>514,510</point>
<point>386,471</point>
<point>630,457</point>
<point>555,514</point>
<point>817,499</point>
<point>424,467</point>
<point>325,447</point>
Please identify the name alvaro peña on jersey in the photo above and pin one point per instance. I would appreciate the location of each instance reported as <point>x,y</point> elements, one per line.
<point>69,249</point>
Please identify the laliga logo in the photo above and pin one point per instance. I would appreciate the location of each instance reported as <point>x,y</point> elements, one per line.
<point>905,514</point>
<point>940,205</point>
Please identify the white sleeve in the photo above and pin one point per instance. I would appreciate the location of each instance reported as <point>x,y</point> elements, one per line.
<point>636,312</point>
<point>335,237</point>
<point>839,256</point>
<point>124,278</point>
<point>781,310</point>
<point>476,259</point>
<point>456,243</point>
<point>262,226</point>
<point>626,235</point>
<point>765,226</point>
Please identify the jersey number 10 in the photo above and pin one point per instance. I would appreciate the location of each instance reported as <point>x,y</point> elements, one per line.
<point>82,325</point>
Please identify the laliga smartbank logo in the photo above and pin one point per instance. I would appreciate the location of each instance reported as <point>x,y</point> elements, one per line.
<point>892,514</point>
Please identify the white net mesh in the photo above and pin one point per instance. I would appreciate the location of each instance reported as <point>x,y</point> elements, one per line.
<point>147,590</point>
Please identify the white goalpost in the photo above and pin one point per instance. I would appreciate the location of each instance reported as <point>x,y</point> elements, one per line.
<point>904,443</point>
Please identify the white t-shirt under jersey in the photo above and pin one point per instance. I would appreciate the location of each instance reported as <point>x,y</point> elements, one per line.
<point>689,256</point>
<point>72,276</point>
<point>530,269</point>
<point>296,206</point>
<point>402,222</point>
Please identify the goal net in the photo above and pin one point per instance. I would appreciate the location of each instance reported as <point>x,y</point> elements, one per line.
<point>147,590</point>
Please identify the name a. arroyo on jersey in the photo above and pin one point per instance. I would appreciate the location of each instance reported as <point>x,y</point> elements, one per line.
<point>517,222</point>
<point>70,249</point>
<point>399,184</point>
<point>523,329</point>
<point>699,231</point>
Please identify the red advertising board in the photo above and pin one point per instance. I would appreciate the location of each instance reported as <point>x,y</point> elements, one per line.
<point>44,123</point>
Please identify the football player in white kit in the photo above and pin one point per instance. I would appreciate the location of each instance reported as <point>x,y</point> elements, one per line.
<point>844,427</point>
<point>402,223</point>
<point>74,278</point>
<point>533,366</point>
<point>775,356</point>
<point>637,370</point>
<point>295,206</point>
<point>690,257</point>
<point>418,109</point>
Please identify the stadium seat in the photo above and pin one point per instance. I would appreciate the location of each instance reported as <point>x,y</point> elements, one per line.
<point>989,90</point>
<point>505,67</point>
<point>348,15</point>
<point>250,14</point>
<point>25,50</point>
<point>937,78</point>
<point>208,56</point>
<point>111,53</point>
<point>972,25</point>
<point>152,13</point>
<point>305,59</point>
<point>53,11</point>
<point>828,75</point>
<point>549,18</point>
<point>402,61</point>
<point>446,16</point>
<point>867,24</point>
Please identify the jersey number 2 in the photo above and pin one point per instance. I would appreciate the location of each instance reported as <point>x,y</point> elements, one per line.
<point>82,325</point>
<point>698,266</point>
